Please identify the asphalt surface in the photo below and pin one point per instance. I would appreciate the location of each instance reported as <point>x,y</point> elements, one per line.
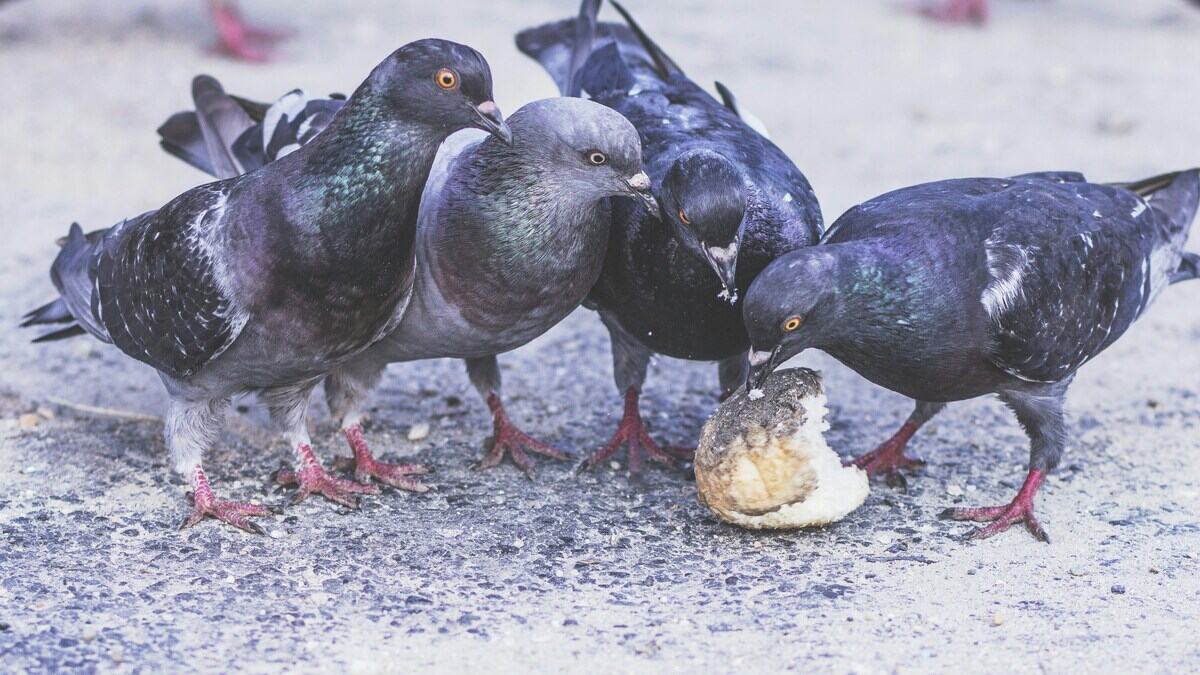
<point>580,573</point>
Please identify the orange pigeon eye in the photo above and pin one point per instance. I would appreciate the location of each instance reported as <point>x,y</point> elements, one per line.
<point>792,324</point>
<point>446,78</point>
<point>683,217</point>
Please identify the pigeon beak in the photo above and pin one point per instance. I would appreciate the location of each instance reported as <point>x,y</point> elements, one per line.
<point>724,262</point>
<point>491,121</point>
<point>762,364</point>
<point>639,187</point>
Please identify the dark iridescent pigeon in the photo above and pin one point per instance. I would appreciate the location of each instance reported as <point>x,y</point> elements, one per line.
<point>509,241</point>
<point>956,289</point>
<point>731,202</point>
<point>266,281</point>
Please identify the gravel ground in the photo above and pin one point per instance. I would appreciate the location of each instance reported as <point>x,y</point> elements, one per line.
<point>567,573</point>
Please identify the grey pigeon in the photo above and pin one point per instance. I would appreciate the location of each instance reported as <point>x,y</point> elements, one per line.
<point>731,202</point>
<point>509,241</point>
<point>956,289</point>
<point>266,281</point>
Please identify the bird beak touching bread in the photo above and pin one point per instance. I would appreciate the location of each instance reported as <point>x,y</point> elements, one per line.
<point>492,121</point>
<point>762,364</point>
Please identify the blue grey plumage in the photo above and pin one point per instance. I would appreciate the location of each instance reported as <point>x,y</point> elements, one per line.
<point>509,241</point>
<point>956,289</point>
<point>731,201</point>
<point>264,281</point>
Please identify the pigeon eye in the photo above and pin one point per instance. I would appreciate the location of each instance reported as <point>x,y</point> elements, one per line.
<point>446,78</point>
<point>683,217</point>
<point>792,324</point>
<point>596,157</point>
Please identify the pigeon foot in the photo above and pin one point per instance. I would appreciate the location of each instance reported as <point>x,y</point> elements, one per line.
<point>633,434</point>
<point>1020,510</point>
<point>889,457</point>
<point>237,38</point>
<point>508,439</point>
<point>365,466</point>
<point>314,479</point>
<point>206,505</point>
<point>957,11</point>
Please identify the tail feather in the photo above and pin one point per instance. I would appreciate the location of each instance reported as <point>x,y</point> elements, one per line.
<point>664,64</point>
<point>61,334</point>
<point>55,311</point>
<point>1175,197</point>
<point>71,274</point>
<point>1189,268</point>
<point>585,35</point>
<point>180,136</point>
<point>222,120</point>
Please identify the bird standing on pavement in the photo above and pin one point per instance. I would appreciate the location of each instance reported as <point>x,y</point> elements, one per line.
<point>266,281</point>
<point>510,239</point>
<point>731,202</point>
<point>956,289</point>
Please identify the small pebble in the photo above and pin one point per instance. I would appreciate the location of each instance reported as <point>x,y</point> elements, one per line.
<point>954,491</point>
<point>997,620</point>
<point>277,534</point>
<point>28,420</point>
<point>88,634</point>
<point>418,432</point>
<point>616,466</point>
<point>756,394</point>
<point>1118,589</point>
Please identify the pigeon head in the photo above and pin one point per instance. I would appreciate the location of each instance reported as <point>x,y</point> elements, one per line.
<point>592,150</point>
<point>788,308</point>
<point>441,84</point>
<point>704,198</point>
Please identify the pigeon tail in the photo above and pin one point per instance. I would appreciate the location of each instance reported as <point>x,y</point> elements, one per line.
<point>227,135</point>
<point>1189,268</point>
<point>1175,197</point>
<point>72,277</point>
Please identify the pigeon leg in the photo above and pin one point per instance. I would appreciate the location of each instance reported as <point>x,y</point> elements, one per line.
<point>506,438</point>
<point>346,390</point>
<point>957,11</point>
<point>632,433</point>
<point>889,457</point>
<point>1040,413</point>
<point>1019,510</point>
<point>289,410</point>
<point>206,505</point>
<point>314,479</point>
<point>366,467</point>
<point>237,38</point>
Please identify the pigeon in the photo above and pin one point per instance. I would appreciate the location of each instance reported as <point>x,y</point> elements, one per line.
<point>731,201</point>
<point>509,241</point>
<point>955,289</point>
<point>266,281</point>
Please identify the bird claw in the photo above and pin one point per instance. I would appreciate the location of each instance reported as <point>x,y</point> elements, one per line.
<point>231,513</point>
<point>508,439</point>
<point>365,468</point>
<point>1000,518</point>
<point>633,434</point>
<point>241,40</point>
<point>956,11</point>
<point>314,479</point>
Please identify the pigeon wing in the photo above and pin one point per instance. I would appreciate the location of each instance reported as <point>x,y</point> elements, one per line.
<point>158,285</point>
<point>1064,283</point>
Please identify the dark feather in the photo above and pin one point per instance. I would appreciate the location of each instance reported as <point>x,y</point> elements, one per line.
<point>61,334</point>
<point>664,64</point>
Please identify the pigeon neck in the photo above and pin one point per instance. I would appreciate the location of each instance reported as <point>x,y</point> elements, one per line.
<point>873,303</point>
<point>370,168</point>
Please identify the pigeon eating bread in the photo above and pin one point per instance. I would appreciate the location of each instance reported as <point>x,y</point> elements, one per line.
<point>763,463</point>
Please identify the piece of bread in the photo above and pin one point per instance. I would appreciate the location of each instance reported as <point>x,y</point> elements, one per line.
<point>763,463</point>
